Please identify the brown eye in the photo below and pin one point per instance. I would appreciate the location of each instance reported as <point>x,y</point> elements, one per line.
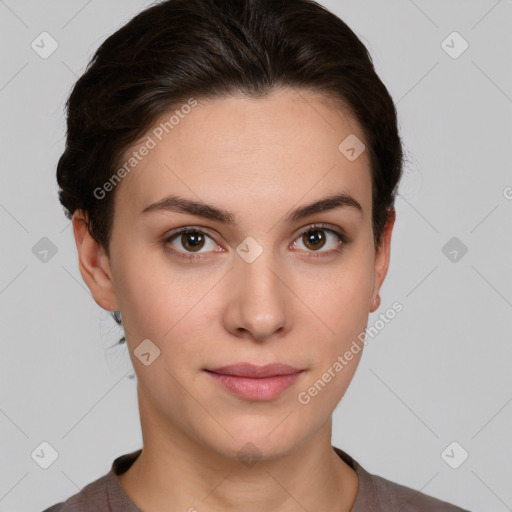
<point>192,240</point>
<point>314,239</point>
<point>189,241</point>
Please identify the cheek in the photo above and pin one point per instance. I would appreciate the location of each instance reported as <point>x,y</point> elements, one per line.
<point>338,297</point>
<point>339,300</point>
<point>155,295</point>
<point>172,308</point>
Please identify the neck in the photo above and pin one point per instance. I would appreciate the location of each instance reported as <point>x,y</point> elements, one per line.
<point>176,472</point>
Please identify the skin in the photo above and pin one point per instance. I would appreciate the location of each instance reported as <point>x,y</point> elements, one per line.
<point>259,159</point>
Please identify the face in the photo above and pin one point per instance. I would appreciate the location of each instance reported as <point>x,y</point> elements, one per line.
<point>257,279</point>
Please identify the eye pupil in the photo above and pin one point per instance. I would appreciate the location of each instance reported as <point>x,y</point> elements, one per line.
<point>192,240</point>
<point>314,238</point>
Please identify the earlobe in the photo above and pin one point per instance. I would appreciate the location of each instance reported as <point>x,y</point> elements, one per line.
<point>375,303</point>
<point>94,264</point>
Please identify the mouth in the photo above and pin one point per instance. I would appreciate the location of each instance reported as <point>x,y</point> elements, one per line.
<point>258,383</point>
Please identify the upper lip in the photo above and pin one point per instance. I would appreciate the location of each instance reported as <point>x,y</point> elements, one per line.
<point>251,370</point>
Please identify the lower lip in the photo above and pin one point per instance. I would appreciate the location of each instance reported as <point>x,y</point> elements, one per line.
<point>256,389</point>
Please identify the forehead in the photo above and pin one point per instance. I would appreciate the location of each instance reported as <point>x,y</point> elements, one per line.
<point>249,152</point>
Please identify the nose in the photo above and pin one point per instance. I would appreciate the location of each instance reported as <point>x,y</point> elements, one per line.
<point>258,305</point>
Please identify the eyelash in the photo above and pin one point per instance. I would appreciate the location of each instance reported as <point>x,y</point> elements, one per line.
<point>199,256</point>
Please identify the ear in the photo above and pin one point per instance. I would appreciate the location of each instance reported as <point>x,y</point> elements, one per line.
<point>382,259</point>
<point>94,264</point>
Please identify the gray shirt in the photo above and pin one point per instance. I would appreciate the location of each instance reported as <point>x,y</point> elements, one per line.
<point>375,493</point>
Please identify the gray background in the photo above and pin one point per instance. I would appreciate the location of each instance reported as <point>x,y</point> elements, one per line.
<point>439,372</point>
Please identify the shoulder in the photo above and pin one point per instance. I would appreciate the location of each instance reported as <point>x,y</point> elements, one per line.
<point>377,494</point>
<point>390,495</point>
<point>104,494</point>
<point>93,497</point>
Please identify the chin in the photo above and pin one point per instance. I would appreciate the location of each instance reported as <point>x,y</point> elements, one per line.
<point>251,441</point>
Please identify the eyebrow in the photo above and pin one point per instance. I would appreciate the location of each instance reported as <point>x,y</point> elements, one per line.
<point>178,204</point>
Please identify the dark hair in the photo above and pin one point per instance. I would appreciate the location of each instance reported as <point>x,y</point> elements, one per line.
<point>178,49</point>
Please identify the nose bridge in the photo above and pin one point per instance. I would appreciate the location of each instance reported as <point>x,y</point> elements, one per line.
<point>260,297</point>
<point>260,275</point>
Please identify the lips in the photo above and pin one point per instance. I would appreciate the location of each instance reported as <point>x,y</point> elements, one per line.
<point>254,371</point>
<point>256,383</point>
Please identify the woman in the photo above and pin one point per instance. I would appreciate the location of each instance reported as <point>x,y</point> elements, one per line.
<point>231,170</point>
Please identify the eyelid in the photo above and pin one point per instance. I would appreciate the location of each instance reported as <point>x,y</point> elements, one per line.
<point>337,231</point>
<point>190,256</point>
<point>321,225</point>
